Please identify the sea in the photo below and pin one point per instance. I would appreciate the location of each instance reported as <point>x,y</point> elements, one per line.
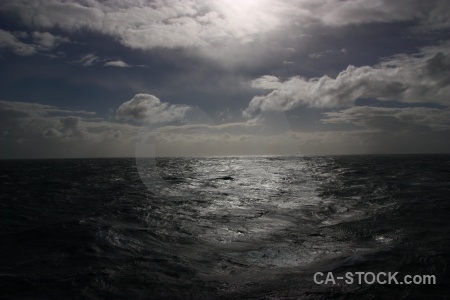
<point>262,227</point>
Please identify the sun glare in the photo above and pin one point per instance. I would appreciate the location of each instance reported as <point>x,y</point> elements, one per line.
<point>248,16</point>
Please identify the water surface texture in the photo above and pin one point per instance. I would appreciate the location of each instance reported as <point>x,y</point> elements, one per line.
<point>225,228</point>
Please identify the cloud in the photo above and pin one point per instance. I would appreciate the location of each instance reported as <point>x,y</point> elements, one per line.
<point>146,25</point>
<point>9,40</point>
<point>34,130</point>
<point>148,108</point>
<point>240,128</point>
<point>419,77</point>
<point>36,42</point>
<point>117,63</point>
<point>267,82</point>
<point>263,134</point>
<point>429,15</point>
<point>370,142</point>
<point>229,33</point>
<point>46,41</point>
<point>172,24</point>
<point>187,142</point>
<point>319,54</point>
<point>16,109</point>
<point>72,125</point>
<point>39,131</point>
<point>91,59</point>
<point>413,119</point>
<point>88,59</point>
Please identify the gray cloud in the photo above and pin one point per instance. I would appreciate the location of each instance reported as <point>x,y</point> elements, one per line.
<point>420,77</point>
<point>88,59</point>
<point>46,41</point>
<point>91,59</point>
<point>26,109</point>
<point>411,119</point>
<point>148,108</point>
<point>429,15</point>
<point>36,130</point>
<point>72,125</point>
<point>9,40</point>
<point>264,134</point>
<point>41,42</point>
<point>371,141</point>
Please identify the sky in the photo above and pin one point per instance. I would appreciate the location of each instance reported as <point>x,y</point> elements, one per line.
<point>124,78</point>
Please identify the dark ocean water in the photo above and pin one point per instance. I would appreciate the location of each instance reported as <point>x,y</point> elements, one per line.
<point>223,228</point>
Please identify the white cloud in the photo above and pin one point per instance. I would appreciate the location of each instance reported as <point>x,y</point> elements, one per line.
<point>231,33</point>
<point>266,82</point>
<point>171,24</point>
<point>154,24</point>
<point>420,77</point>
<point>117,63</point>
<point>148,108</point>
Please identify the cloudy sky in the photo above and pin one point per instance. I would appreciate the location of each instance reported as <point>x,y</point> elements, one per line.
<point>93,78</point>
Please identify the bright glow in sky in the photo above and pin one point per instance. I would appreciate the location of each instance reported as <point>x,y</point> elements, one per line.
<point>96,78</point>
